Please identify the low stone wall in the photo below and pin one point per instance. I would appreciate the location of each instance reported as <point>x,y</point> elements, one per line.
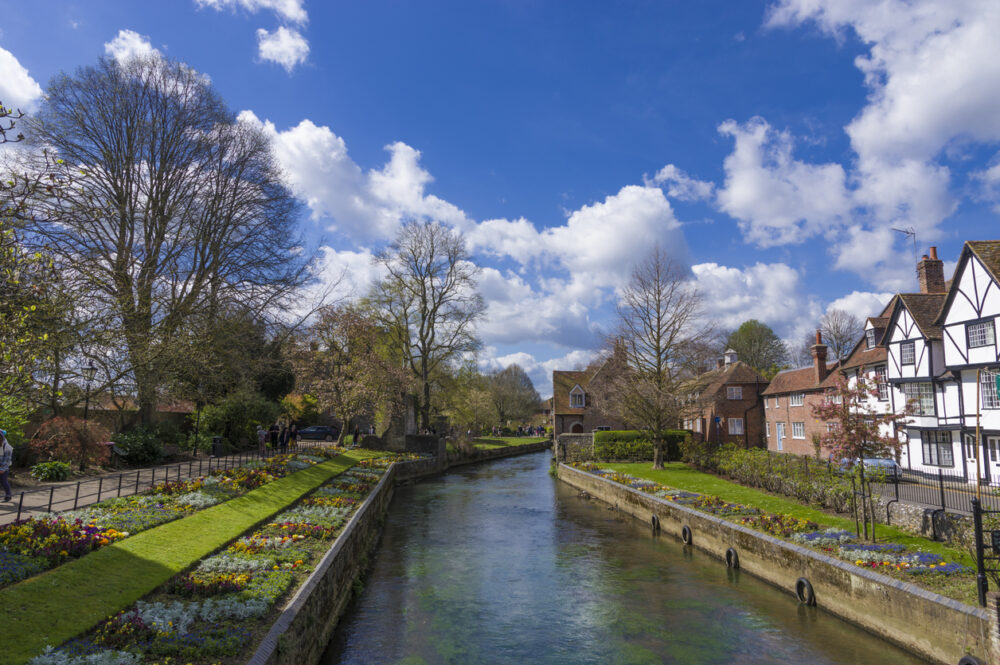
<point>927,624</point>
<point>574,447</point>
<point>486,454</point>
<point>304,628</point>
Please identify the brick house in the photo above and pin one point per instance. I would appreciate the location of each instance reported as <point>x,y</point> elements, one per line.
<point>790,425</point>
<point>576,404</point>
<point>728,407</point>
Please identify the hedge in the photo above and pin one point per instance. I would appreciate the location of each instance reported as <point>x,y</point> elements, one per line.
<point>634,445</point>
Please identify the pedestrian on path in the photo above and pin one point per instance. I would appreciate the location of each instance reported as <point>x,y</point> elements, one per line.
<point>261,439</point>
<point>357,436</point>
<point>283,441</point>
<point>293,436</point>
<point>6,459</point>
<point>273,432</point>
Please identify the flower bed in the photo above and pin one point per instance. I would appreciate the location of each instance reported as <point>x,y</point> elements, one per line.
<point>211,613</point>
<point>32,545</point>
<point>890,558</point>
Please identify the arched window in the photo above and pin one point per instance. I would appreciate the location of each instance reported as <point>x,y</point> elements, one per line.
<point>577,428</point>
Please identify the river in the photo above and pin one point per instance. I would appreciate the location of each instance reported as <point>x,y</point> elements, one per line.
<point>501,563</point>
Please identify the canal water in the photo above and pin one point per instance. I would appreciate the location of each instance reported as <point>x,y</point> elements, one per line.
<point>499,563</point>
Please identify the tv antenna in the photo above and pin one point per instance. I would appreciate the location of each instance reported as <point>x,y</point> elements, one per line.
<point>911,233</point>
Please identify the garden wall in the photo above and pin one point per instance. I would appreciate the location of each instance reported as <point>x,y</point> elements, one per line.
<point>932,626</point>
<point>574,448</point>
<point>302,631</point>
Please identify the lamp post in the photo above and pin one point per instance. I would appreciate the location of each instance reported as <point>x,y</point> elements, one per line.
<point>88,375</point>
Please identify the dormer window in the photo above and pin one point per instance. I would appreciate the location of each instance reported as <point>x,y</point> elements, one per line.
<point>577,398</point>
<point>870,338</point>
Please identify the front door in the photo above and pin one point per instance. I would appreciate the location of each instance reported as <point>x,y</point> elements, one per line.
<point>780,429</point>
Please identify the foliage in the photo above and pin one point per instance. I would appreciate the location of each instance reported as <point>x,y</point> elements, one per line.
<point>237,415</point>
<point>635,445</point>
<point>71,440</point>
<point>513,394</point>
<point>428,302</point>
<point>50,471</point>
<point>661,340</point>
<point>139,447</point>
<point>757,345</point>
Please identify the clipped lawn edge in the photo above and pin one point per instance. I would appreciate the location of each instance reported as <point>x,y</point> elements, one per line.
<point>680,476</point>
<point>59,604</point>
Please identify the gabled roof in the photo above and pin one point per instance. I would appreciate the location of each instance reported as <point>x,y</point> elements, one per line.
<point>738,372</point>
<point>802,380</point>
<point>861,355</point>
<point>988,253</point>
<point>563,382</point>
<point>924,308</point>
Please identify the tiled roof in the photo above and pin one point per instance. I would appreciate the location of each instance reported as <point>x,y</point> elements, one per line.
<point>563,382</point>
<point>802,380</point>
<point>988,252</point>
<point>737,372</point>
<point>924,308</point>
<point>863,356</point>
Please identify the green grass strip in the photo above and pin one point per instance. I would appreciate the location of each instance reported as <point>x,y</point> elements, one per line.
<point>62,603</point>
<point>491,442</point>
<point>683,477</point>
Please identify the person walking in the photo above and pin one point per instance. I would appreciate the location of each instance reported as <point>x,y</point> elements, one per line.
<point>273,432</point>
<point>261,440</point>
<point>357,435</point>
<point>293,436</point>
<point>6,459</point>
<point>283,440</point>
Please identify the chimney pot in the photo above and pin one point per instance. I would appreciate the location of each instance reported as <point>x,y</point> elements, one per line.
<point>934,253</point>
<point>819,337</point>
<point>930,273</point>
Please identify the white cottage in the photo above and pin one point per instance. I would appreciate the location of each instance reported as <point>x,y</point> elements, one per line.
<point>868,360</point>
<point>969,338</point>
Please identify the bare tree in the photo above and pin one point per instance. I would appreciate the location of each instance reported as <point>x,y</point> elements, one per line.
<point>661,334</point>
<point>7,124</point>
<point>841,330</point>
<point>175,207</point>
<point>513,394</point>
<point>428,302</point>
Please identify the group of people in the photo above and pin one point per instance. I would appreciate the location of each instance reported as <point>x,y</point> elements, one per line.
<point>522,430</point>
<point>278,436</point>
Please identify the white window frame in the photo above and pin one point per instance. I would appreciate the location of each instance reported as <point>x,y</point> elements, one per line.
<point>882,382</point>
<point>577,398</point>
<point>971,447</point>
<point>988,389</point>
<point>907,349</point>
<point>870,338</point>
<point>798,430</point>
<point>734,392</point>
<point>767,427</point>
<point>922,394</point>
<point>736,426</point>
<point>797,399</point>
<point>779,433</point>
<point>980,334</point>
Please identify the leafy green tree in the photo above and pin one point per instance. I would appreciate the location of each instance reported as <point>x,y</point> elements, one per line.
<point>757,345</point>
<point>513,394</point>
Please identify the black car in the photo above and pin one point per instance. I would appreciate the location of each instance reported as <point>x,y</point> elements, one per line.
<point>319,433</point>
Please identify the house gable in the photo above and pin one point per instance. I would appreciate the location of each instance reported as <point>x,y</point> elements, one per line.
<point>968,317</point>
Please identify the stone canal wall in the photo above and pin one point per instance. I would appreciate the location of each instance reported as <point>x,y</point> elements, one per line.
<point>304,628</point>
<point>932,626</point>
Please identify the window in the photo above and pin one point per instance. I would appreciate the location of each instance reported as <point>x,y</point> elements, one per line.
<point>697,424</point>
<point>906,354</point>
<point>937,448</point>
<point>736,426</point>
<point>980,334</point>
<point>970,446</point>
<point>765,402</point>
<point>991,443</point>
<point>576,399</point>
<point>832,427</point>
<point>988,389</point>
<point>881,383</point>
<point>796,399</point>
<point>870,338</point>
<point>734,392</point>
<point>798,430</point>
<point>921,395</point>
<point>834,397</point>
<point>767,428</point>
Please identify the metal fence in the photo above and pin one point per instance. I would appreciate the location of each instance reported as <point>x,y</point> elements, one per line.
<point>70,496</point>
<point>941,490</point>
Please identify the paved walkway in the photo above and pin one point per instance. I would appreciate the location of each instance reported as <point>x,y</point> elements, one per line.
<point>57,497</point>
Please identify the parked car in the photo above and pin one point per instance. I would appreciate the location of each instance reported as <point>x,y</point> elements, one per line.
<point>319,433</point>
<point>877,467</point>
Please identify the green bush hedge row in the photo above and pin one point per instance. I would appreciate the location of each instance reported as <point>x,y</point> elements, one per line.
<point>634,445</point>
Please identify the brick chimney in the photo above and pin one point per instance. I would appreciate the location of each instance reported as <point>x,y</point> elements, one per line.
<point>930,273</point>
<point>819,359</point>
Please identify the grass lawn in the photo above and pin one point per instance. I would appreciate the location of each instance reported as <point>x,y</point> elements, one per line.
<point>490,442</point>
<point>66,601</point>
<point>683,477</point>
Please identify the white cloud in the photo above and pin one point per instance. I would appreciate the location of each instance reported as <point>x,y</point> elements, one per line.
<point>776,198</point>
<point>289,10</point>
<point>17,88</point>
<point>862,304</point>
<point>539,371</point>
<point>987,182</point>
<point>681,186</point>
<point>285,46</point>
<point>128,44</point>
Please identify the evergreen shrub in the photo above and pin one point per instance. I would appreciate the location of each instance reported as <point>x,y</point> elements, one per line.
<point>635,445</point>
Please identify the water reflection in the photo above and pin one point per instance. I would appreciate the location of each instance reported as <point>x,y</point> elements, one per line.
<point>500,563</point>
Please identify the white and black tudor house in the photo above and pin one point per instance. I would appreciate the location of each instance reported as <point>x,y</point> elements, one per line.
<point>938,342</point>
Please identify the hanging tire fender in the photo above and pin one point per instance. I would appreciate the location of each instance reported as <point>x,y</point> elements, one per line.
<point>686,534</point>
<point>732,559</point>
<point>804,592</point>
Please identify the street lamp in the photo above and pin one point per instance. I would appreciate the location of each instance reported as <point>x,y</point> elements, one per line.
<point>88,375</point>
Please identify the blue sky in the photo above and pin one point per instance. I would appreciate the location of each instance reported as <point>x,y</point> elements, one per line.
<point>770,146</point>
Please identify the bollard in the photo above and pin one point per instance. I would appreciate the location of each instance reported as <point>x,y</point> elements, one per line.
<point>137,481</point>
<point>20,505</point>
<point>100,488</point>
<point>52,490</point>
<point>941,487</point>
<point>76,498</point>
<point>119,484</point>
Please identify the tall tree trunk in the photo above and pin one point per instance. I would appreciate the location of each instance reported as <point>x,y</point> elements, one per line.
<point>658,452</point>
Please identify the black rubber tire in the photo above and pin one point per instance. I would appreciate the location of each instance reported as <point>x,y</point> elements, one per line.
<point>654,522</point>
<point>732,559</point>
<point>328,438</point>
<point>804,592</point>
<point>686,534</point>
<point>971,660</point>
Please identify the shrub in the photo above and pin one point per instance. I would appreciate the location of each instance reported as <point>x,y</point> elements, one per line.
<point>139,447</point>
<point>634,445</point>
<point>50,471</point>
<point>71,440</point>
<point>236,416</point>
